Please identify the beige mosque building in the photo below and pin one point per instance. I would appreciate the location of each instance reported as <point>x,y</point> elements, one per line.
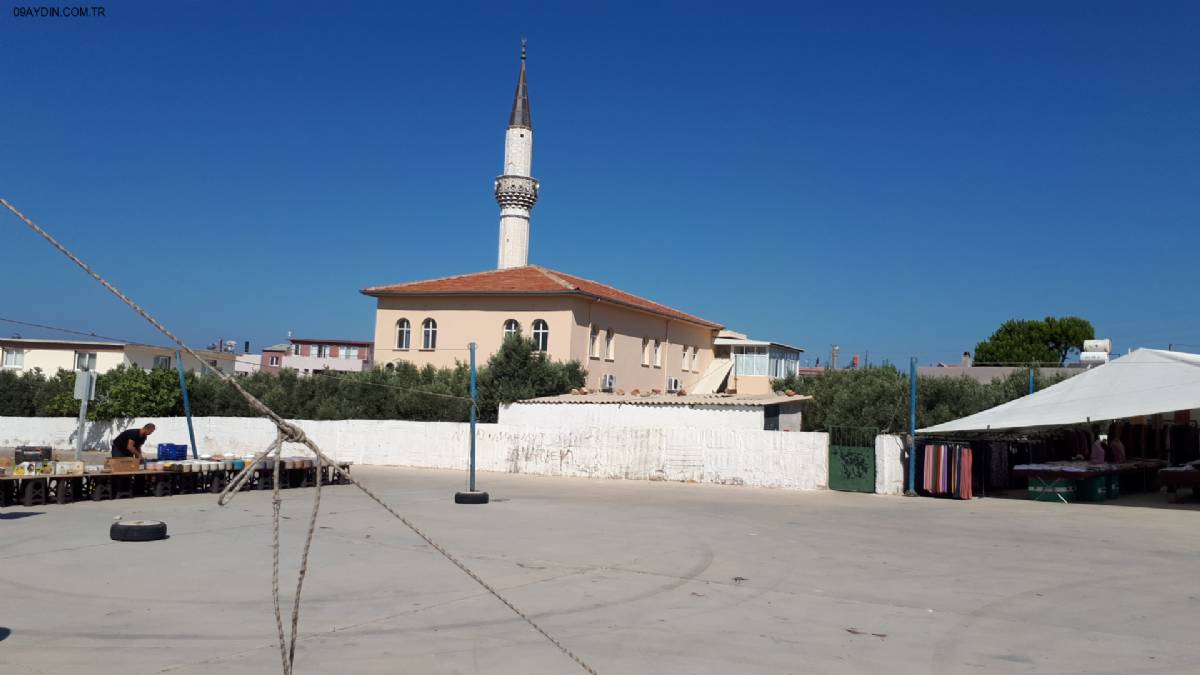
<point>625,342</point>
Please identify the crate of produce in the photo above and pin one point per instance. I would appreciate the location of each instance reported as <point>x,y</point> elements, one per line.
<point>1056,490</point>
<point>33,453</point>
<point>1092,489</point>
<point>172,452</point>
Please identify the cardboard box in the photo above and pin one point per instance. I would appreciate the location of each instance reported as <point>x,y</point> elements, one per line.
<point>68,468</point>
<point>121,464</point>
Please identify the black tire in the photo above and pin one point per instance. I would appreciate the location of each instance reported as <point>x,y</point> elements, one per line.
<point>470,497</point>
<point>138,530</point>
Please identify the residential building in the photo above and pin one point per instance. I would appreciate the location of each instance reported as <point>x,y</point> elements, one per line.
<point>307,356</point>
<point>22,354</point>
<point>272,358</point>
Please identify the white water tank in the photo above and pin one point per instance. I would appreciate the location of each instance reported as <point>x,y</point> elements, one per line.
<point>1104,346</point>
<point>1093,357</point>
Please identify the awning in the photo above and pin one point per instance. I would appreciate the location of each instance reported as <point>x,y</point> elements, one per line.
<point>1146,382</point>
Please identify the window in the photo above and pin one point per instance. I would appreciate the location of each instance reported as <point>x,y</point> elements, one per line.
<point>594,343</point>
<point>403,334</point>
<point>213,363</point>
<point>429,334</point>
<point>645,351</point>
<point>686,360</point>
<point>349,352</point>
<point>541,335</point>
<point>610,346</point>
<point>322,350</point>
<point>14,358</point>
<point>163,362</point>
<point>695,359</point>
<point>750,360</point>
<point>657,354</point>
<point>296,349</point>
<point>511,327</point>
<point>274,361</point>
<point>85,360</point>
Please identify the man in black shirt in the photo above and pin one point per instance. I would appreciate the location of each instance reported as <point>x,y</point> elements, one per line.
<point>129,443</point>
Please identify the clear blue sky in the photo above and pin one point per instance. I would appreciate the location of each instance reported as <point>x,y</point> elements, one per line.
<point>892,177</point>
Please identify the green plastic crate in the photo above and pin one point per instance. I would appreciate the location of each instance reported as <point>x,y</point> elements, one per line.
<point>1058,490</point>
<point>1114,486</point>
<point>1092,489</point>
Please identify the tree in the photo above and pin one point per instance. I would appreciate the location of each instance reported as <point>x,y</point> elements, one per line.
<point>1050,340</point>
<point>518,371</point>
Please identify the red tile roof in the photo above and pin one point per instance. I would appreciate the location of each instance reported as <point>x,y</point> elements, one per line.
<point>532,280</point>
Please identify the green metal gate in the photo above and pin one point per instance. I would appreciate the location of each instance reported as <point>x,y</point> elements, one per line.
<point>852,459</point>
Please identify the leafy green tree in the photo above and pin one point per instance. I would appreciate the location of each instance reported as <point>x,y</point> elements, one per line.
<point>518,371</point>
<point>18,392</point>
<point>1047,341</point>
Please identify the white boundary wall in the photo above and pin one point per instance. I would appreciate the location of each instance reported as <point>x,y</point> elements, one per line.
<point>795,460</point>
<point>889,465</point>
<point>579,415</point>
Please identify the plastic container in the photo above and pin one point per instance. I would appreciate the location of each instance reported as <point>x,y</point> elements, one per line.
<point>1052,490</point>
<point>1092,489</point>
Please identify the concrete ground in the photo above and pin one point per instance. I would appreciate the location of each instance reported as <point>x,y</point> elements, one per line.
<point>635,577</point>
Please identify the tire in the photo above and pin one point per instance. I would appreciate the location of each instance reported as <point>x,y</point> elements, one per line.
<point>470,497</point>
<point>138,530</point>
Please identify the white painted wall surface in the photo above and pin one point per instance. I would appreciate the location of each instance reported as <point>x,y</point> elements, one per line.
<point>728,456</point>
<point>889,465</point>
<point>583,415</point>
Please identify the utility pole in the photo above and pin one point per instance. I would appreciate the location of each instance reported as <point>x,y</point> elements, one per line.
<point>472,496</point>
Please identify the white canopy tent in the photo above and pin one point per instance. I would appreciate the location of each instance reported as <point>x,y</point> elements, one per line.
<point>1146,382</point>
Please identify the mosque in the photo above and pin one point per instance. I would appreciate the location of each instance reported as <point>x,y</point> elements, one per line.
<point>624,341</point>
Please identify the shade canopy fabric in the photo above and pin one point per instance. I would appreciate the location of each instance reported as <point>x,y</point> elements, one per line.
<point>1146,382</point>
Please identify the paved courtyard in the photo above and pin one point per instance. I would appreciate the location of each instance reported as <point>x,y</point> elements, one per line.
<point>635,577</point>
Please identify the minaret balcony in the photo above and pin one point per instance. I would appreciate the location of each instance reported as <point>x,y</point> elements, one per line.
<point>518,191</point>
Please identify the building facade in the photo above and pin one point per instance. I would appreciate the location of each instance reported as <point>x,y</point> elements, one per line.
<point>624,341</point>
<point>50,356</point>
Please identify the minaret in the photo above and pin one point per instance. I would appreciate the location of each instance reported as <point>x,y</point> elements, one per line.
<point>516,190</point>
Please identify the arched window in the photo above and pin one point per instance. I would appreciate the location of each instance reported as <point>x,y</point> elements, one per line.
<point>541,335</point>
<point>403,334</point>
<point>429,334</point>
<point>511,327</point>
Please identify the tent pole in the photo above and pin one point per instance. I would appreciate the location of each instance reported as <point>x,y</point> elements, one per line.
<point>912,425</point>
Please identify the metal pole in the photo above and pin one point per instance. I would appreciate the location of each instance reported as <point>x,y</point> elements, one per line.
<point>912,425</point>
<point>187,405</point>
<point>1032,386</point>
<point>474,414</point>
<point>83,406</point>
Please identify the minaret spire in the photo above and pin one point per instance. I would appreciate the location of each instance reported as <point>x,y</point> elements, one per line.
<point>516,190</point>
<point>520,110</point>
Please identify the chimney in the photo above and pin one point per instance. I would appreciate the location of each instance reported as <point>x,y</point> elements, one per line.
<point>966,360</point>
<point>247,350</point>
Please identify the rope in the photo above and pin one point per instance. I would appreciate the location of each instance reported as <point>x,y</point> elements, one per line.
<point>288,432</point>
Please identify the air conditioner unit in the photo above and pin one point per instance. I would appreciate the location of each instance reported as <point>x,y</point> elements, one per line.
<point>673,385</point>
<point>608,382</point>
